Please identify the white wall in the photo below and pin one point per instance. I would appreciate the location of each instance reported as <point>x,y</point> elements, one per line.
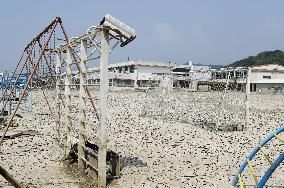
<point>275,71</point>
<point>256,76</point>
<point>153,69</point>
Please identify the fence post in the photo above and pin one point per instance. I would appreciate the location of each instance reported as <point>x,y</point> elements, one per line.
<point>247,96</point>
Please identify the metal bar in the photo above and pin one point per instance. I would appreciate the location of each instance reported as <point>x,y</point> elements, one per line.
<point>57,103</point>
<point>31,95</point>
<point>29,80</point>
<point>82,103</point>
<point>252,172</point>
<point>265,155</point>
<point>46,100</point>
<point>279,138</point>
<point>68,121</point>
<point>46,61</point>
<point>270,171</point>
<point>241,183</point>
<point>103,109</point>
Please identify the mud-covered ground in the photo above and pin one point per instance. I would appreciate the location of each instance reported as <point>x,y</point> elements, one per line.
<point>159,138</point>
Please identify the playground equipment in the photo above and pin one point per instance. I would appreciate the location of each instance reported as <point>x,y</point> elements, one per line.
<point>37,52</point>
<point>38,62</point>
<point>238,180</point>
<point>80,51</point>
<point>6,87</point>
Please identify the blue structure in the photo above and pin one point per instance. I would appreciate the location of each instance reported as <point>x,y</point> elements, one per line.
<point>273,164</point>
<point>9,82</point>
<point>12,81</point>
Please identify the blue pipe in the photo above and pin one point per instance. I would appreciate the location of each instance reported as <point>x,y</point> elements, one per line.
<point>254,152</point>
<point>270,171</point>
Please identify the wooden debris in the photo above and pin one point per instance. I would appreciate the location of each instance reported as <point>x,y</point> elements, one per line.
<point>14,134</point>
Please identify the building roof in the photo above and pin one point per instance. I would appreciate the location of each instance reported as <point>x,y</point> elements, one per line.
<point>143,63</point>
<point>268,66</point>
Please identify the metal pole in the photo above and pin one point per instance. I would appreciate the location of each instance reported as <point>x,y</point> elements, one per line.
<point>31,97</point>
<point>247,96</point>
<point>103,109</point>
<point>10,97</point>
<point>26,98</point>
<point>68,114</point>
<point>57,107</point>
<point>82,103</point>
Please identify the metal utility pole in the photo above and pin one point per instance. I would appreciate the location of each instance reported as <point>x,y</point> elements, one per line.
<point>247,96</point>
<point>104,84</point>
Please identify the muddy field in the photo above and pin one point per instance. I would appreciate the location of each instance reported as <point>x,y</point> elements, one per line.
<point>164,141</point>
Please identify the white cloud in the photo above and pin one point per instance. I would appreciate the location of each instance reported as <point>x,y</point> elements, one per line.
<point>165,32</point>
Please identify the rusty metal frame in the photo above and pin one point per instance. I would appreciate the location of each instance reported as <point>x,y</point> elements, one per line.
<point>50,29</point>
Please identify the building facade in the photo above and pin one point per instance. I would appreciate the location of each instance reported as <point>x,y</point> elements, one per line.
<point>267,79</point>
<point>137,74</point>
<point>187,75</point>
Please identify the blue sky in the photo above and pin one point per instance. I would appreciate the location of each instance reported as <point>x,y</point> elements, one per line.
<point>204,31</point>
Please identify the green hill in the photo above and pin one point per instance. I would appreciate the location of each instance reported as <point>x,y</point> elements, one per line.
<point>267,57</point>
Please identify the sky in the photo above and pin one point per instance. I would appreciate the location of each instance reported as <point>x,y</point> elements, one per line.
<point>202,31</point>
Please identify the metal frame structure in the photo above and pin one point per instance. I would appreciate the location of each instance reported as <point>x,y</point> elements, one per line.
<point>273,164</point>
<point>75,52</point>
<point>97,41</point>
<point>31,58</point>
<point>34,59</point>
<point>40,49</point>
